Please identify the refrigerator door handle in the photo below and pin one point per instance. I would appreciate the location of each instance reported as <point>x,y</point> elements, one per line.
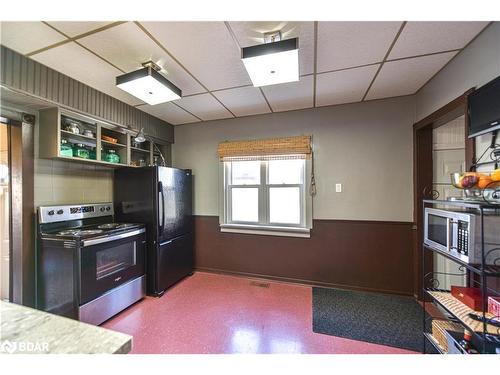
<point>162,221</point>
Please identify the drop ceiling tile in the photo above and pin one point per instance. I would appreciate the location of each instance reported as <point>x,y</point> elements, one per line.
<point>418,38</point>
<point>205,106</point>
<point>73,29</point>
<point>127,47</point>
<point>243,101</point>
<point>345,86</point>
<point>78,63</point>
<point>347,44</point>
<point>252,33</point>
<point>25,37</point>
<point>169,112</point>
<point>289,96</point>
<point>405,77</point>
<point>206,49</point>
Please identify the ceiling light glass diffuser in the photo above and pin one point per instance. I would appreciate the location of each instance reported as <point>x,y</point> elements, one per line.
<point>149,85</point>
<point>272,63</point>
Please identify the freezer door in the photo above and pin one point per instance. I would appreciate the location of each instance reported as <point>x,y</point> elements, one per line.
<point>175,261</point>
<point>174,203</point>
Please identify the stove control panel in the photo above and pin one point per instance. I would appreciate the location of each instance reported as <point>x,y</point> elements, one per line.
<point>52,214</point>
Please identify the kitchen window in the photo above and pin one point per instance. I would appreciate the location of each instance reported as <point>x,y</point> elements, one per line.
<point>266,195</point>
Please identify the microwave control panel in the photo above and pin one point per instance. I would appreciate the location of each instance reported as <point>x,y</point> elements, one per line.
<point>463,237</point>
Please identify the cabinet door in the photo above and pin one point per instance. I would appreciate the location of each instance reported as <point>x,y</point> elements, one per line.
<point>175,261</point>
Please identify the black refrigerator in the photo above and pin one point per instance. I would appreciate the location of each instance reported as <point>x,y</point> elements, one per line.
<point>161,198</point>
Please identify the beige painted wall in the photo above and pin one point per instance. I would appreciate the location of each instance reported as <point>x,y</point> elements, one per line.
<point>365,146</point>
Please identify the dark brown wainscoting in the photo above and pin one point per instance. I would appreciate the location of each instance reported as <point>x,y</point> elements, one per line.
<point>364,255</point>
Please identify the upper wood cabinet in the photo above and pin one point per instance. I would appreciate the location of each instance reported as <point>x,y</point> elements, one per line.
<point>91,140</point>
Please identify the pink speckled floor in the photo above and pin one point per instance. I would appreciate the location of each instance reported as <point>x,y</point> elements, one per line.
<point>210,313</point>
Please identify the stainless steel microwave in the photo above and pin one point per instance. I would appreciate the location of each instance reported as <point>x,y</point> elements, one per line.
<point>458,233</point>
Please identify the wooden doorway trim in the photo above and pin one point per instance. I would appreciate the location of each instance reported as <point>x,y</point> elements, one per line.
<point>423,174</point>
<point>22,244</point>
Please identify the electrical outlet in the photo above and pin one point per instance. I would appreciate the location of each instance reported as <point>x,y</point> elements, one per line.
<point>338,188</point>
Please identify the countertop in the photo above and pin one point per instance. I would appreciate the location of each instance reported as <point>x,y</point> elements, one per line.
<point>26,330</point>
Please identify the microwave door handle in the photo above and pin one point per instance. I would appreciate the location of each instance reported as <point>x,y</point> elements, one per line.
<point>449,242</point>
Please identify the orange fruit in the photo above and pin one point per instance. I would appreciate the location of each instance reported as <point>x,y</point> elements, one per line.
<point>495,175</point>
<point>484,181</point>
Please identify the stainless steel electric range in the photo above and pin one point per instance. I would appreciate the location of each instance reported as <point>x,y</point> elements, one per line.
<point>88,266</point>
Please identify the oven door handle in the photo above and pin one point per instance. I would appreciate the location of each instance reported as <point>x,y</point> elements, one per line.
<point>120,236</point>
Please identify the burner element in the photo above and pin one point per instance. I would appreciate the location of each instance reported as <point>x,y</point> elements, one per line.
<point>109,226</point>
<point>78,232</point>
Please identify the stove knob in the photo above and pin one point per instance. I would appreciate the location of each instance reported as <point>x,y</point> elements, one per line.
<point>108,208</point>
<point>51,212</point>
<point>60,212</point>
<point>101,209</point>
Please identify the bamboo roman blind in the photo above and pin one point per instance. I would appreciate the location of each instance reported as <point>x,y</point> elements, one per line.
<point>261,148</point>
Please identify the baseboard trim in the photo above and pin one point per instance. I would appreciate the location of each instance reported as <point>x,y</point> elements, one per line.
<point>300,281</point>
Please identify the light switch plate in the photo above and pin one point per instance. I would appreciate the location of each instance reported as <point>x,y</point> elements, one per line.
<point>338,188</point>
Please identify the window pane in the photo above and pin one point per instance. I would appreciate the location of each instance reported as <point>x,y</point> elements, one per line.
<point>245,172</point>
<point>286,171</point>
<point>284,205</point>
<point>245,204</point>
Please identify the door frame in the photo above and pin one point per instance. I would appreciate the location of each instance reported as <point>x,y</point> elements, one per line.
<point>423,175</point>
<point>22,236</point>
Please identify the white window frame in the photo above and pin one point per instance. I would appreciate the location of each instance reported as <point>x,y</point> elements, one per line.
<point>264,227</point>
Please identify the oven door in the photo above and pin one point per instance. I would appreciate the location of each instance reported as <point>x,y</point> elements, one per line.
<point>437,229</point>
<point>107,264</point>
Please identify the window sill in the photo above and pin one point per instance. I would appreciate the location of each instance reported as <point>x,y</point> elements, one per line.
<point>266,231</point>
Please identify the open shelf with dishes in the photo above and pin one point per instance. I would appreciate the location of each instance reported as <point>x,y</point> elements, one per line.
<point>469,322</point>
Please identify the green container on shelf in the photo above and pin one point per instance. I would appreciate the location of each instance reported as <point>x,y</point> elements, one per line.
<point>79,151</point>
<point>112,157</point>
<point>66,149</point>
<point>92,154</point>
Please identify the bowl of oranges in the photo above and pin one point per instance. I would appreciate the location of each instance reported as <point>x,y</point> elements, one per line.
<point>476,180</point>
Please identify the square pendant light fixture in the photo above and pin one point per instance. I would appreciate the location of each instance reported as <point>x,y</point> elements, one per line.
<point>149,85</point>
<point>273,62</point>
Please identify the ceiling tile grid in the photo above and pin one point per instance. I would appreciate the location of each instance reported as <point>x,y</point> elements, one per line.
<point>206,49</point>
<point>405,77</point>
<point>348,44</point>
<point>290,96</point>
<point>243,101</point>
<point>419,38</point>
<point>78,63</point>
<point>204,106</point>
<point>345,86</point>
<point>127,47</point>
<point>25,37</point>
<point>169,112</point>
<point>350,57</point>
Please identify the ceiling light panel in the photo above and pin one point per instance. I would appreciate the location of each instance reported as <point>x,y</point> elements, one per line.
<point>149,86</point>
<point>73,29</point>
<point>272,63</point>
<point>127,47</point>
<point>26,37</point>
<point>405,77</point>
<point>419,38</point>
<point>290,96</point>
<point>243,101</point>
<point>78,63</point>
<point>345,86</point>
<point>205,106</point>
<point>206,49</point>
<point>169,112</point>
<point>348,44</point>
<point>252,33</point>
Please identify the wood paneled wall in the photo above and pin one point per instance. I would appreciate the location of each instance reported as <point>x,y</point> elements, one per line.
<point>26,75</point>
<point>363,255</point>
